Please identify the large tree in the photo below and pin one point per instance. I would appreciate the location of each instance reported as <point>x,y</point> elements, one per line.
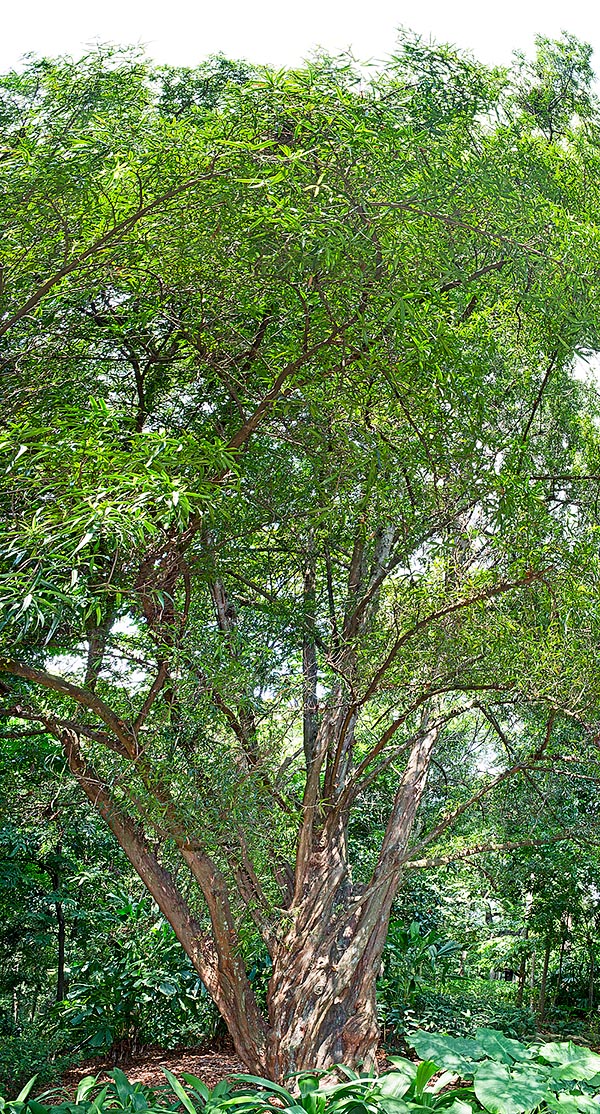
<point>293,457</point>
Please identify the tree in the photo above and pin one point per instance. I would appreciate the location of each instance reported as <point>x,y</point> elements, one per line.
<point>294,462</point>
<point>54,859</point>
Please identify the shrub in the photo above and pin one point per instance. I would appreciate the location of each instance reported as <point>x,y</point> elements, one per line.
<point>141,990</point>
<point>460,1015</point>
<point>22,1056</point>
<point>413,957</point>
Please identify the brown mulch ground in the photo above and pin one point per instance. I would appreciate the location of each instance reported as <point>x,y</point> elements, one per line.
<point>210,1066</point>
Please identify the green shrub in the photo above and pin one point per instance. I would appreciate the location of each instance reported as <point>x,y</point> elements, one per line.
<point>27,1055</point>
<point>139,991</point>
<point>412,958</point>
<point>460,1015</point>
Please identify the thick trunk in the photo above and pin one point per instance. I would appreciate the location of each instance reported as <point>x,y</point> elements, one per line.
<point>319,1017</point>
<point>322,993</point>
<point>321,997</point>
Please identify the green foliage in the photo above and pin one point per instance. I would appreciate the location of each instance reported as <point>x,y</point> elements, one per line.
<point>138,989</point>
<point>55,861</point>
<point>557,86</point>
<point>412,957</point>
<point>407,1087</point>
<point>460,1014</point>
<point>161,477</point>
<point>290,376</point>
<point>499,1075</point>
<point>34,1051</point>
<point>514,1078</point>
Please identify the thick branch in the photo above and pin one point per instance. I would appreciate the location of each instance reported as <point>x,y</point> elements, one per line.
<point>156,878</point>
<point>83,697</point>
<point>517,767</point>
<point>406,803</point>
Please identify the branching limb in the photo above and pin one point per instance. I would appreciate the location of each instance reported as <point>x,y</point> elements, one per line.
<point>517,767</point>
<point>156,878</point>
<point>83,697</point>
<point>482,848</point>
<point>19,711</point>
<point>441,613</point>
<point>102,244</point>
<point>157,686</point>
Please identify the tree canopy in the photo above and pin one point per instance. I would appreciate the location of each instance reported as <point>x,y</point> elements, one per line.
<point>300,479</point>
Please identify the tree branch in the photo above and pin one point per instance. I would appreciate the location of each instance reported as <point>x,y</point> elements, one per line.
<point>101,244</point>
<point>156,878</point>
<point>81,696</point>
<point>538,398</point>
<point>441,613</point>
<point>524,764</point>
<point>482,848</point>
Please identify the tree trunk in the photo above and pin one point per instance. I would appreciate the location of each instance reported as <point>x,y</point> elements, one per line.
<point>522,978</point>
<point>60,975</point>
<point>327,948</point>
<point>563,944</point>
<point>322,992</point>
<point>532,982</point>
<point>523,963</point>
<point>61,938</point>
<point>592,972</point>
<point>321,996</point>
<point>544,979</point>
<point>321,1018</point>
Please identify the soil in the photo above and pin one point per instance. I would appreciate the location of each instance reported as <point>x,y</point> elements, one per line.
<point>146,1067</point>
<point>210,1065</point>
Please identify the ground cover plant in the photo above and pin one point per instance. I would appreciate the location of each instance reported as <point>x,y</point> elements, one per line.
<point>298,499</point>
<point>510,1077</point>
<point>459,1013</point>
<point>491,1073</point>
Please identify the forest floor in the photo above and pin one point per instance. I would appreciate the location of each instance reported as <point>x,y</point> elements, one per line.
<point>210,1065</point>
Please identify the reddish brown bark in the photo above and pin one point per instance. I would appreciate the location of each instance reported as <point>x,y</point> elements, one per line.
<point>321,1000</point>
<point>327,941</point>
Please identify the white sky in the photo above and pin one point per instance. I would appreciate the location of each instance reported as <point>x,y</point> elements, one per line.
<point>184,32</point>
